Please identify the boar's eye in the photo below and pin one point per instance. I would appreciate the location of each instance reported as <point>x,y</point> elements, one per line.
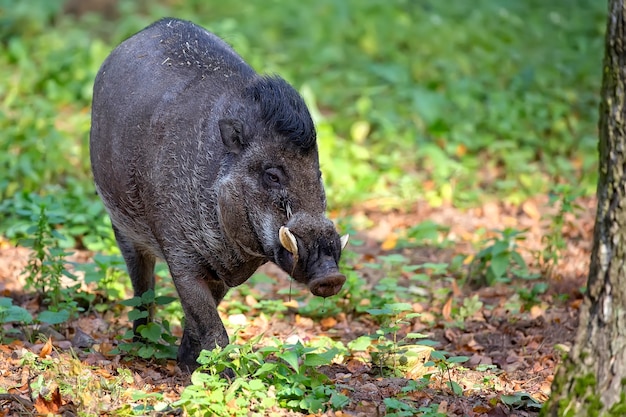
<point>273,178</point>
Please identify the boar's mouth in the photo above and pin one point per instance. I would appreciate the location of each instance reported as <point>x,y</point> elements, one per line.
<point>316,266</point>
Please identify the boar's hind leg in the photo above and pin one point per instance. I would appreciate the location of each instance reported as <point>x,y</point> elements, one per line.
<point>141,271</point>
<point>200,293</point>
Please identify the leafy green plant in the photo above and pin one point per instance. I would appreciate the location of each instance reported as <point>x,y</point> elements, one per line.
<point>426,233</point>
<point>156,339</point>
<point>500,260</point>
<point>108,273</point>
<point>46,269</point>
<point>398,408</point>
<point>386,343</point>
<point>389,350</point>
<point>72,211</point>
<point>442,360</point>
<point>10,313</point>
<point>563,197</point>
<point>531,297</point>
<point>431,410</point>
<point>277,375</point>
<point>521,401</point>
<point>469,307</point>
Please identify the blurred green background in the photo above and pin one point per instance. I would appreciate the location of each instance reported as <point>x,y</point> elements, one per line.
<point>450,102</point>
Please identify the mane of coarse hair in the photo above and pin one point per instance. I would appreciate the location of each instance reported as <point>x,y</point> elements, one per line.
<point>283,109</point>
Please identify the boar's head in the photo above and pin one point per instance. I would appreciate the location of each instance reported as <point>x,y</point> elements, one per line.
<point>312,261</point>
<point>270,193</point>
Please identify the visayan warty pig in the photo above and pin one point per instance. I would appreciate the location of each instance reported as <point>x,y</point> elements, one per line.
<point>206,164</point>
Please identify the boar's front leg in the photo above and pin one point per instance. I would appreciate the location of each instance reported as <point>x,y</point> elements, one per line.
<point>200,293</point>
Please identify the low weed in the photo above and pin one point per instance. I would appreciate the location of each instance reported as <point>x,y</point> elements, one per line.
<point>272,376</point>
<point>398,408</point>
<point>388,289</point>
<point>530,297</point>
<point>402,407</point>
<point>469,307</point>
<point>431,410</point>
<point>563,197</point>
<point>47,273</point>
<point>391,348</point>
<point>520,401</point>
<point>108,274</point>
<point>10,313</point>
<point>426,233</point>
<point>156,339</point>
<point>500,260</point>
<point>444,362</point>
<point>386,342</point>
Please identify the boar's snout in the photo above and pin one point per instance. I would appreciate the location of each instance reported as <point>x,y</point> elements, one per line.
<point>327,285</point>
<point>326,279</point>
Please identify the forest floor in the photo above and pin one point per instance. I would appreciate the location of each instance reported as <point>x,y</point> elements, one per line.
<point>517,343</point>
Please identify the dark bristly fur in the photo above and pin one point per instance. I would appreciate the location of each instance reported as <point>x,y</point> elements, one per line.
<point>200,161</point>
<point>283,109</point>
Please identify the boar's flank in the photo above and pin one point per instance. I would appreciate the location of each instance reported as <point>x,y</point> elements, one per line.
<point>204,163</point>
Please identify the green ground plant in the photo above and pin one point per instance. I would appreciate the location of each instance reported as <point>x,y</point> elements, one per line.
<point>466,310</point>
<point>563,197</point>
<point>426,233</point>
<point>266,377</point>
<point>11,313</point>
<point>46,270</point>
<point>444,362</point>
<point>108,274</point>
<point>386,342</point>
<point>500,260</point>
<point>155,338</point>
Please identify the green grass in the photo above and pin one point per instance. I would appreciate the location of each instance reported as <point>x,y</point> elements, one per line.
<point>443,101</point>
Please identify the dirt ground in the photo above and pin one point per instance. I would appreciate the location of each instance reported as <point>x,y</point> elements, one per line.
<point>511,349</point>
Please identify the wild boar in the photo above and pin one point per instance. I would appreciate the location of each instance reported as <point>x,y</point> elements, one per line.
<point>204,163</point>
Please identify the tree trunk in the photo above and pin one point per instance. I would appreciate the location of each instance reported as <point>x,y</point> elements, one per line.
<point>591,381</point>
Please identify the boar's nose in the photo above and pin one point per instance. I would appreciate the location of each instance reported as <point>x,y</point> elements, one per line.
<point>328,280</point>
<point>327,286</point>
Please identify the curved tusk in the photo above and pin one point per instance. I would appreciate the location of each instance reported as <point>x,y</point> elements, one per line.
<point>288,240</point>
<point>344,241</point>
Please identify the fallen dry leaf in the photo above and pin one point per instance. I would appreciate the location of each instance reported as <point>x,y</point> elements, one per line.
<point>46,349</point>
<point>328,322</point>
<point>446,310</point>
<point>536,311</point>
<point>530,208</point>
<point>44,406</point>
<point>456,291</point>
<point>390,242</point>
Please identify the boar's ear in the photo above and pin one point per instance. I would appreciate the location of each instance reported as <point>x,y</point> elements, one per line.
<point>232,134</point>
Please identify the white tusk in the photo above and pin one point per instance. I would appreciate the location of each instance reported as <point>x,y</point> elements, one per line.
<point>344,241</point>
<point>288,240</point>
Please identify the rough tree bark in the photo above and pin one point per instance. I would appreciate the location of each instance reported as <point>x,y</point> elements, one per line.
<point>591,381</point>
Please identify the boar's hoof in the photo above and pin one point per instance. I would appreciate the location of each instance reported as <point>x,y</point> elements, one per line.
<point>188,352</point>
<point>327,286</point>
